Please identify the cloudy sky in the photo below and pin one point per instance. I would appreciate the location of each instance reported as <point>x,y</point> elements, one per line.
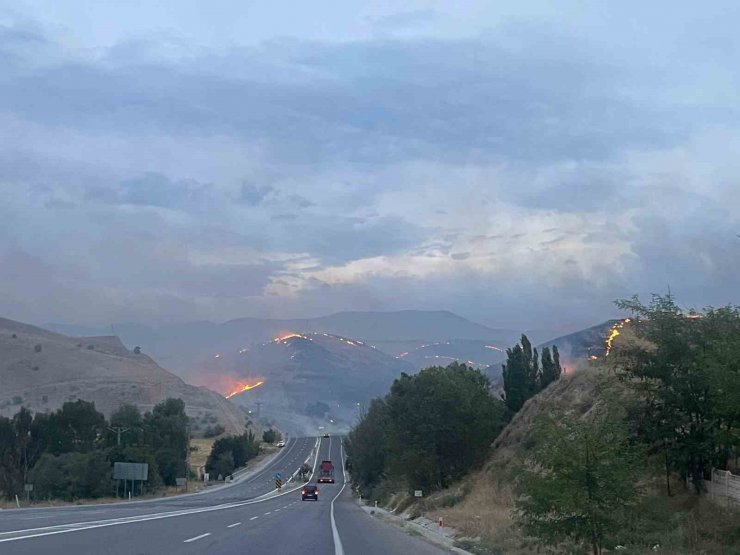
<point>521,163</point>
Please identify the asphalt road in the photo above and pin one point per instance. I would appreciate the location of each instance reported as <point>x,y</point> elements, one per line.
<point>249,517</point>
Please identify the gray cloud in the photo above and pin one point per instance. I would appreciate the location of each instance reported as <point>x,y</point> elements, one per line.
<point>153,177</point>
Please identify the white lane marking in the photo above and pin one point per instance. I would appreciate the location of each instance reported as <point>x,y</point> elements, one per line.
<point>254,518</point>
<point>232,525</point>
<point>80,526</point>
<point>268,512</point>
<point>197,537</point>
<point>338,549</point>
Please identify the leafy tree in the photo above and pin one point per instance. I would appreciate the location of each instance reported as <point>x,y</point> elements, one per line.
<point>77,426</point>
<point>551,369</point>
<point>271,436</point>
<point>367,446</point>
<point>686,370</point>
<point>578,483</point>
<point>166,431</point>
<point>522,375</point>
<point>231,452</point>
<point>128,417</point>
<point>429,430</point>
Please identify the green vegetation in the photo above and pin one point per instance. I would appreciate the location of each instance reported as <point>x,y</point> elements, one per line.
<point>231,452</point>
<point>69,453</point>
<point>430,430</point>
<point>579,483</point>
<point>523,375</point>
<point>685,370</point>
<point>271,436</point>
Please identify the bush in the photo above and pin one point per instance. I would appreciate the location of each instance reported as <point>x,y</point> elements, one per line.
<point>37,348</point>
<point>271,436</point>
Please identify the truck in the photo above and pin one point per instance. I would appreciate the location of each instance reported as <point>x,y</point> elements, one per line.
<point>326,472</point>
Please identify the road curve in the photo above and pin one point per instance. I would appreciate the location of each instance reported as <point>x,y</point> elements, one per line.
<point>234,520</point>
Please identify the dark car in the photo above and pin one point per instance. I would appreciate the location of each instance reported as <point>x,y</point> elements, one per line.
<point>326,434</point>
<point>310,492</point>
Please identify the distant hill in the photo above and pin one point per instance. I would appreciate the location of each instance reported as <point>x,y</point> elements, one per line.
<point>41,370</point>
<point>179,346</point>
<point>584,343</point>
<point>302,369</point>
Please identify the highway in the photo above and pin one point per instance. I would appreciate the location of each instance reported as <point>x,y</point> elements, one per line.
<point>247,517</point>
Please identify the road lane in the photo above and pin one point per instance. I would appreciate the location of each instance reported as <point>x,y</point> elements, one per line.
<point>281,524</point>
<point>286,462</point>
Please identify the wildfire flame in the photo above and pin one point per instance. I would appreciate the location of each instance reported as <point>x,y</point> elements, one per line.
<point>613,333</point>
<point>241,388</point>
<point>286,336</point>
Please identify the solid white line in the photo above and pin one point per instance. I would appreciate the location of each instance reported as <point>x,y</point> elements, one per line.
<point>197,537</point>
<point>232,525</point>
<point>254,518</point>
<point>338,549</point>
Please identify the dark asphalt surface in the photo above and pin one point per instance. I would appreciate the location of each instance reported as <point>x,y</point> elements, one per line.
<point>234,520</point>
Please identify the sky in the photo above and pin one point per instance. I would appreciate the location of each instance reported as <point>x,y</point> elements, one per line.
<point>521,163</point>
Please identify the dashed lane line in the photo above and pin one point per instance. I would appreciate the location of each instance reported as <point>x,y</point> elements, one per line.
<point>196,538</point>
<point>254,518</point>
<point>232,525</point>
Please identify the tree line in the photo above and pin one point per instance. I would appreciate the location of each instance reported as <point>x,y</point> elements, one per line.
<point>525,375</point>
<point>428,431</point>
<point>69,453</point>
<point>580,484</point>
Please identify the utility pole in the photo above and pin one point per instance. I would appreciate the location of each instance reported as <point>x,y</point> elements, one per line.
<point>118,430</point>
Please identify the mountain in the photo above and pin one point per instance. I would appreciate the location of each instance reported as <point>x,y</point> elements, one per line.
<point>41,370</point>
<point>299,370</point>
<point>178,346</point>
<point>590,342</point>
<point>475,353</point>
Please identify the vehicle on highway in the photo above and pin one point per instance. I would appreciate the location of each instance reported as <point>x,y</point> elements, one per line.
<point>326,472</point>
<point>281,443</point>
<point>310,492</point>
<point>326,434</point>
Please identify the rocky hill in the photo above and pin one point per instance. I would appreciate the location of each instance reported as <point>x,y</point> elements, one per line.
<point>41,370</point>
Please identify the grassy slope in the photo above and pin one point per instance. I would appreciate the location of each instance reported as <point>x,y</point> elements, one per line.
<point>481,506</point>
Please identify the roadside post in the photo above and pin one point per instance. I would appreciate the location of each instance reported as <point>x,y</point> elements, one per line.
<point>278,480</point>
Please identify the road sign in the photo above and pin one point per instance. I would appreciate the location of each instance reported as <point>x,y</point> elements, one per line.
<point>278,484</point>
<point>417,493</point>
<point>27,487</point>
<point>278,476</point>
<point>180,482</point>
<point>130,471</point>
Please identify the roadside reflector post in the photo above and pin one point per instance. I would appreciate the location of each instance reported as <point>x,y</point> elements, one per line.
<point>440,524</point>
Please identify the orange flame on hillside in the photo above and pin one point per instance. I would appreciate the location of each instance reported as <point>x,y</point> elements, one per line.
<point>613,333</point>
<point>241,388</point>
<point>286,336</point>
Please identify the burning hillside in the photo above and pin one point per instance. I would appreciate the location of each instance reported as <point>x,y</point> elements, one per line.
<point>242,387</point>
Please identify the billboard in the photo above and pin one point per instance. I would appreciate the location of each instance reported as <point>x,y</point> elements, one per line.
<point>130,471</point>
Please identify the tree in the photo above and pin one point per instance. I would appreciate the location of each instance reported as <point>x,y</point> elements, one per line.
<point>428,431</point>
<point>271,436</point>
<point>686,371</point>
<point>77,426</point>
<point>127,423</point>
<point>166,431</point>
<point>551,369</point>
<point>578,483</point>
<point>522,375</point>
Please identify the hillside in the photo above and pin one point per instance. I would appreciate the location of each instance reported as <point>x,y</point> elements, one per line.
<point>301,369</point>
<point>41,370</point>
<point>179,346</point>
